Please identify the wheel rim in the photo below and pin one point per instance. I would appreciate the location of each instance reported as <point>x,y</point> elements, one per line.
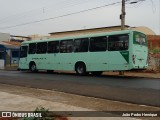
<point>33,67</point>
<point>80,69</point>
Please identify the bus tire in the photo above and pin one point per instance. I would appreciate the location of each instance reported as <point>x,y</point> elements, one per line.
<point>80,69</point>
<point>96,73</point>
<point>33,67</point>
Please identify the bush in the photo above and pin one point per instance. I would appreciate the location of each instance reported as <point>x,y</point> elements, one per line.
<point>155,51</point>
<point>44,112</point>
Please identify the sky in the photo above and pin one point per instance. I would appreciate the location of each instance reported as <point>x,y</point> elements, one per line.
<point>21,17</point>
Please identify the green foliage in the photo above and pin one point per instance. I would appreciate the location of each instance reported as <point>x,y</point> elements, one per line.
<point>44,112</point>
<point>155,51</point>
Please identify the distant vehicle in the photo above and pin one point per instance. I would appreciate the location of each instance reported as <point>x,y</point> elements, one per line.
<point>93,53</point>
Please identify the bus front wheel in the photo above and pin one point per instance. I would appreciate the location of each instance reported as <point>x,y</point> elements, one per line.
<point>80,69</point>
<point>33,67</point>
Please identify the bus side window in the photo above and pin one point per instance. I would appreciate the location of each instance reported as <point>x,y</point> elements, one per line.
<point>32,48</point>
<point>98,44</point>
<point>41,48</point>
<point>118,42</point>
<point>81,45</point>
<point>69,46</point>
<point>23,51</point>
<point>53,47</point>
<point>66,46</point>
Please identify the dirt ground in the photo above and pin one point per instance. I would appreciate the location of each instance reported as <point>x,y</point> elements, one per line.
<point>136,74</point>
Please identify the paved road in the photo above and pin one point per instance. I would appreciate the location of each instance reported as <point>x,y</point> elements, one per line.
<point>143,91</point>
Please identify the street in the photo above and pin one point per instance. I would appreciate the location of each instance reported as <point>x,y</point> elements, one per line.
<point>143,91</point>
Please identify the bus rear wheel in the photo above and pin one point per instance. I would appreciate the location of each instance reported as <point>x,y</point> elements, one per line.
<point>96,73</point>
<point>81,69</point>
<point>33,67</point>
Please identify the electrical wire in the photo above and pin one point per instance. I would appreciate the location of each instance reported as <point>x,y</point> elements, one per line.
<point>42,10</point>
<point>159,17</point>
<point>65,15</point>
<point>153,6</point>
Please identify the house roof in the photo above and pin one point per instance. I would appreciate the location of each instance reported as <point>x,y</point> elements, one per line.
<point>4,45</point>
<point>90,29</point>
<point>20,36</point>
<point>12,43</point>
<point>143,29</point>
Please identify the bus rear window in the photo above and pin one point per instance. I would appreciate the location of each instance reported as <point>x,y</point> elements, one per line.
<point>118,42</point>
<point>139,39</point>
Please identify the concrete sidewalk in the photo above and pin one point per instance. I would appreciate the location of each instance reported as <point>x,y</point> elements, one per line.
<point>15,98</point>
<point>11,102</point>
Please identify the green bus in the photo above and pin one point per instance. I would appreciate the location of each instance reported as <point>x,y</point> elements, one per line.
<point>93,53</point>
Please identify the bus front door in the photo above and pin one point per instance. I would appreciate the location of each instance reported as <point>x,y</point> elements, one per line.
<point>23,58</point>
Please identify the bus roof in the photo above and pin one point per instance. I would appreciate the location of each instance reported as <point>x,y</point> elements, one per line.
<point>80,36</point>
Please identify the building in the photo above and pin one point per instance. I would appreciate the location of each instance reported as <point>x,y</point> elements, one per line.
<point>38,37</point>
<point>153,39</point>
<point>15,38</point>
<point>9,49</point>
<point>9,55</point>
<point>85,31</point>
<point>99,30</point>
<point>4,37</point>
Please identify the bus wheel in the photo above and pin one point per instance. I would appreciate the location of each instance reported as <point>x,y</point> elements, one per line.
<point>33,67</point>
<point>96,73</point>
<point>81,69</point>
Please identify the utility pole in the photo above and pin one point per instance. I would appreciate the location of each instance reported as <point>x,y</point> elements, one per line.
<point>122,16</point>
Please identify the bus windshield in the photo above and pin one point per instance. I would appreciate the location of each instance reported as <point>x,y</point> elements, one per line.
<point>140,39</point>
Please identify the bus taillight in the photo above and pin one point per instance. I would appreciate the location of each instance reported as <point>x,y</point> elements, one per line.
<point>133,59</point>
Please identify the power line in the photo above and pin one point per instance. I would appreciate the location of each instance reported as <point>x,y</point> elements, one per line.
<point>153,6</point>
<point>65,15</point>
<point>41,10</point>
<point>137,3</point>
<point>159,17</point>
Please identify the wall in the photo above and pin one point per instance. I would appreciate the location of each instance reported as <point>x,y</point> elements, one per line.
<point>154,62</point>
<point>153,41</point>
<point>1,64</point>
<point>83,32</point>
<point>38,37</point>
<point>4,37</point>
<point>9,55</point>
<point>143,29</point>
